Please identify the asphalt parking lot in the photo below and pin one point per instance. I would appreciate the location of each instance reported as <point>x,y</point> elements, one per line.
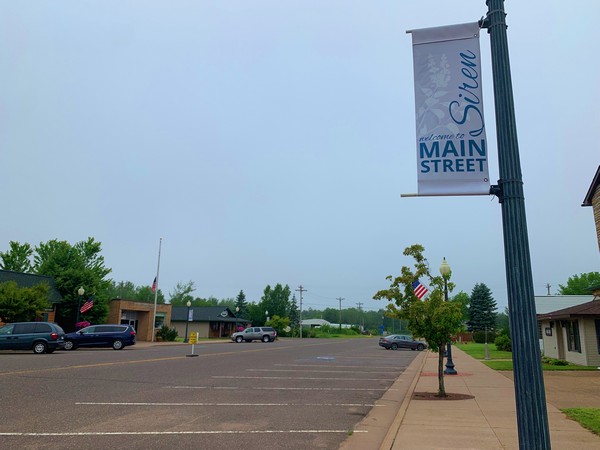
<point>300,394</point>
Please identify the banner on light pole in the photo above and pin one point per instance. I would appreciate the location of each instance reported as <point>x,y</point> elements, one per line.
<point>452,150</point>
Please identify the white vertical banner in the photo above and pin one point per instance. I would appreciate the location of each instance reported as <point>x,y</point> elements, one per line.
<point>452,151</point>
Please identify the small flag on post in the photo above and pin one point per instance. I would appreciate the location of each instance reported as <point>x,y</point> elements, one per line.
<point>419,289</point>
<point>154,285</point>
<point>87,305</point>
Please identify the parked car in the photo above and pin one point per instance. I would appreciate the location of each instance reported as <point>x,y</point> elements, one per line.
<point>115,336</point>
<point>265,334</point>
<point>396,341</point>
<point>41,337</point>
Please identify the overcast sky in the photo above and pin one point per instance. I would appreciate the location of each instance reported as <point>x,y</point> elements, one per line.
<point>269,142</point>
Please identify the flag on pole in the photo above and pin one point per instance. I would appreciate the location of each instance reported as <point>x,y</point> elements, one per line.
<point>419,289</point>
<point>154,285</point>
<point>87,305</point>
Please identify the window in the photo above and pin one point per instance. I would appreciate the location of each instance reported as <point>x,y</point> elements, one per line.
<point>597,321</point>
<point>573,343</point>
<point>42,328</point>
<point>24,328</point>
<point>159,321</point>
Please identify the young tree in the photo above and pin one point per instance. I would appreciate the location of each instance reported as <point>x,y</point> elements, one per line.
<point>21,304</point>
<point>503,322</point>
<point>463,299</point>
<point>18,258</point>
<point>276,300</point>
<point>126,290</point>
<point>182,293</point>
<point>279,323</point>
<point>72,267</point>
<point>431,317</point>
<point>482,309</point>
<point>580,284</point>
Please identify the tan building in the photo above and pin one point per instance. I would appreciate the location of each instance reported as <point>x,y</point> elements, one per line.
<point>573,334</point>
<point>592,199</point>
<point>207,321</point>
<point>139,315</point>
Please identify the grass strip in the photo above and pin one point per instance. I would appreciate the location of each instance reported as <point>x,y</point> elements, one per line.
<point>587,417</point>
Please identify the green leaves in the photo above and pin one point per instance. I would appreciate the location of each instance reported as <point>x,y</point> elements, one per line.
<point>19,304</point>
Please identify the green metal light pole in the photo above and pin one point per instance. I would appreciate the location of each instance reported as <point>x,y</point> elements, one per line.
<point>532,416</point>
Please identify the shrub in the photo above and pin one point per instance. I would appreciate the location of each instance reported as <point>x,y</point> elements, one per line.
<point>503,343</point>
<point>167,334</point>
<point>479,336</point>
<point>554,362</point>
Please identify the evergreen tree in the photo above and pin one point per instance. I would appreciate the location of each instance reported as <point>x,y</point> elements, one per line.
<point>482,309</point>
<point>241,303</point>
<point>294,313</point>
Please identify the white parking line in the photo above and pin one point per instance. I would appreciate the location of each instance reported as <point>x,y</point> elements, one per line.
<point>280,388</point>
<point>366,405</point>
<point>233,377</point>
<point>358,368</point>
<point>314,371</point>
<point>158,433</point>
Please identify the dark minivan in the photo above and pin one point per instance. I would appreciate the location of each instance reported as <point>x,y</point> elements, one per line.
<point>115,336</point>
<point>41,337</point>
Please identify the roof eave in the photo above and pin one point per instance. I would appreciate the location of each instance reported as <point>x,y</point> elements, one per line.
<point>587,201</point>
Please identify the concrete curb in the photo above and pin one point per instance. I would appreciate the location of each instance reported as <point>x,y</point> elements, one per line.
<point>390,437</point>
<point>379,428</point>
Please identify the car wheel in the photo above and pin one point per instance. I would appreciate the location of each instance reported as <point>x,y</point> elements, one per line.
<point>266,339</point>
<point>420,347</point>
<point>394,346</point>
<point>239,339</point>
<point>118,344</point>
<point>40,347</point>
<point>69,345</point>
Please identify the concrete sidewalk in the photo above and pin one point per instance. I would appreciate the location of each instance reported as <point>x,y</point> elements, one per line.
<point>485,421</point>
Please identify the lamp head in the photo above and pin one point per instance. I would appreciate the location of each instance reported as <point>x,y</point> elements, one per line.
<point>80,291</point>
<point>445,269</point>
<point>189,303</point>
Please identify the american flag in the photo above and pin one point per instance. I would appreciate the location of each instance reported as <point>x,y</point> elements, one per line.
<point>419,289</point>
<point>154,285</point>
<point>87,305</point>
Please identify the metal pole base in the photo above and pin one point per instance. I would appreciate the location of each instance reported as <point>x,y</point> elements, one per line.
<point>449,363</point>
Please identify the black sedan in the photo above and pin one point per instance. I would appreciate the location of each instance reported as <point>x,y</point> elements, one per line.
<point>396,341</point>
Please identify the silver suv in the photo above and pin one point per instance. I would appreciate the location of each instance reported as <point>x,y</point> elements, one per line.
<point>265,334</point>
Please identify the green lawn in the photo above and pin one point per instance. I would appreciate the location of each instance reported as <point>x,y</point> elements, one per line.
<point>477,351</point>
<point>500,360</point>
<point>587,417</point>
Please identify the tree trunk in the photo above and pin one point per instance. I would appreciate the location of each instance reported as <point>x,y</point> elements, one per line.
<point>441,387</point>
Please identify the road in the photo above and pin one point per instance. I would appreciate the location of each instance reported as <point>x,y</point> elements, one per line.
<point>289,394</point>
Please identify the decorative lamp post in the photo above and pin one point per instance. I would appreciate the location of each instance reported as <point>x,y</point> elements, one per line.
<point>267,314</point>
<point>187,322</point>
<point>446,271</point>
<point>80,291</point>
<point>237,311</point>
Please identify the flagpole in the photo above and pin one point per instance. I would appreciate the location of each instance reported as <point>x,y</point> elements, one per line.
<point>156,290</point>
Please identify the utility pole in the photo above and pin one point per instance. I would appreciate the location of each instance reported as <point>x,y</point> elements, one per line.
<point>340,300</point>
<point>301,290</point>
<point>361,317</point>
<point>548,287</point>
<point>532,415</point>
